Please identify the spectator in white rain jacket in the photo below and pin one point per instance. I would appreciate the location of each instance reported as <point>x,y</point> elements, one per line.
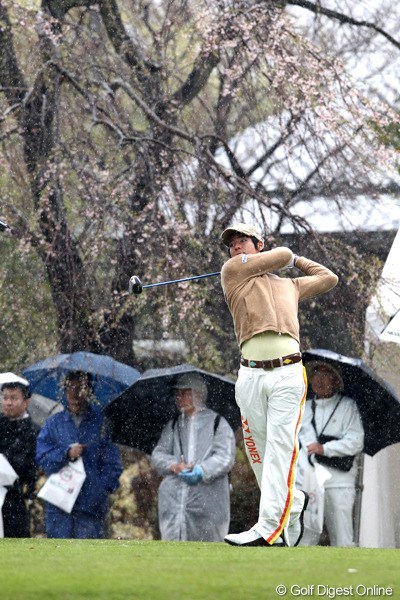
<point>331,434</point>
<point>195,454</point>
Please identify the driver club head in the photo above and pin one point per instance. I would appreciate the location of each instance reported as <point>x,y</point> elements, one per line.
<point>4,226</point>
<point>135,285</point>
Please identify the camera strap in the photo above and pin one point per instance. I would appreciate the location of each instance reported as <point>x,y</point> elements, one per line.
<point>313,405</point>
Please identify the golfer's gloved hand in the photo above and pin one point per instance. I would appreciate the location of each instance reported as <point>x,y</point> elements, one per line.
<point>293,261</point>
<point>192,477</point>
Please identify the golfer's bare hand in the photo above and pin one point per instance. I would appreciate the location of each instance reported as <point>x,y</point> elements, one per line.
<point>178,467</point>
<point>76,451</point>
<point>315,448</point>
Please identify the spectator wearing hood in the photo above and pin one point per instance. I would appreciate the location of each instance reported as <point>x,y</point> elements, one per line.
<point>195,454</point>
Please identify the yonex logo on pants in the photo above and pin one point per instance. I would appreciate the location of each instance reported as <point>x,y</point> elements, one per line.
<point>245,425</point>
<point>250,443</point>
<point>252,448</point>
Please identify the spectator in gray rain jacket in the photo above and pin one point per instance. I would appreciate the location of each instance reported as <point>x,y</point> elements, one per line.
<point>195,453</point>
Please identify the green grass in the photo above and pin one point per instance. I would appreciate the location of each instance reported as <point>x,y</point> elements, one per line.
<point>119,569</point>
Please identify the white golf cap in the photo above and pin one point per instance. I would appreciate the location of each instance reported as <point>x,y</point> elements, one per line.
<point>243,228</point>
<point>12,378</point>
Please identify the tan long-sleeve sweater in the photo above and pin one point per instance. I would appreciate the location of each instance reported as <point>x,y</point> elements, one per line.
<point>262,301</point>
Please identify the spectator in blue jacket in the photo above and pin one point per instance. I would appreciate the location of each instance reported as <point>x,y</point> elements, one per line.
<point>80,431</point>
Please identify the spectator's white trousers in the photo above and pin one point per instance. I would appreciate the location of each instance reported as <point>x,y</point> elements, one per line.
<point>338,516</point>
<point>271,403</point>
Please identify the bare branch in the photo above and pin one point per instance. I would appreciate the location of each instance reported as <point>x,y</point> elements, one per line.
<point>11,77</point>
<point>122,43</point>
<point>150,114</point>
<point>270,151</point>
<point>9,133</point>
<point>59,8</point>
<point>342,18</point>
<point>197,79</point>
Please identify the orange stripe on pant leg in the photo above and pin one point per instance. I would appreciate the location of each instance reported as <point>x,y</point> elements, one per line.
<point>289,499</point>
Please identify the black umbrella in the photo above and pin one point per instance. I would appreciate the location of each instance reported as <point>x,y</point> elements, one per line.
<point>377,403</point>
<point>139,414</point>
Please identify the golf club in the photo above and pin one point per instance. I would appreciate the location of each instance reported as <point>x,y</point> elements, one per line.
<point>3,226</point>
<point>136,286</point>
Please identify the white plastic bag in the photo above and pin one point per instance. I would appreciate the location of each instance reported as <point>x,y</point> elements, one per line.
<point>3,492</point>
<point>62,488</point>
<point>7,478</point>
<point>314,484</point>
<point>7,473</point>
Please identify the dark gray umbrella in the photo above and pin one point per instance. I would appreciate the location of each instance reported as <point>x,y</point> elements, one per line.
<point>377,403</point>
<point>139,414</point>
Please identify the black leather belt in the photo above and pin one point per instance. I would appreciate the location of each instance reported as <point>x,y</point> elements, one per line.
<point>290,359</point>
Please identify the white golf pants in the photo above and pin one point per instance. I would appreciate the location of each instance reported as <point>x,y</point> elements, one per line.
<point>271,404</point>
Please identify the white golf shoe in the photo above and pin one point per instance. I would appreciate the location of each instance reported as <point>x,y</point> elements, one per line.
<point>250,538</point>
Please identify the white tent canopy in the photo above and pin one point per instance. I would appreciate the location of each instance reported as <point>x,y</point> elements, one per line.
<point>383,316</point>
<point>380,510</point>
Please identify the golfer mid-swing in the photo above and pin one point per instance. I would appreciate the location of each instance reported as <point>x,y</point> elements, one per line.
<point>271,386</point>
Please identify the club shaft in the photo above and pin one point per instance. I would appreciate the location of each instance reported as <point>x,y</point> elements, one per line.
<point>150,285</point>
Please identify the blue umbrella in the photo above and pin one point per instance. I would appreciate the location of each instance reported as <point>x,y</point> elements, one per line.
<point>109,377</point>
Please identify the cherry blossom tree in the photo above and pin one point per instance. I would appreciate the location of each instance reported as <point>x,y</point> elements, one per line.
<point>133,131</point>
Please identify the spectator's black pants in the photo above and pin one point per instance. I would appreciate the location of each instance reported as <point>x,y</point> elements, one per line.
<point>15,515</point>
